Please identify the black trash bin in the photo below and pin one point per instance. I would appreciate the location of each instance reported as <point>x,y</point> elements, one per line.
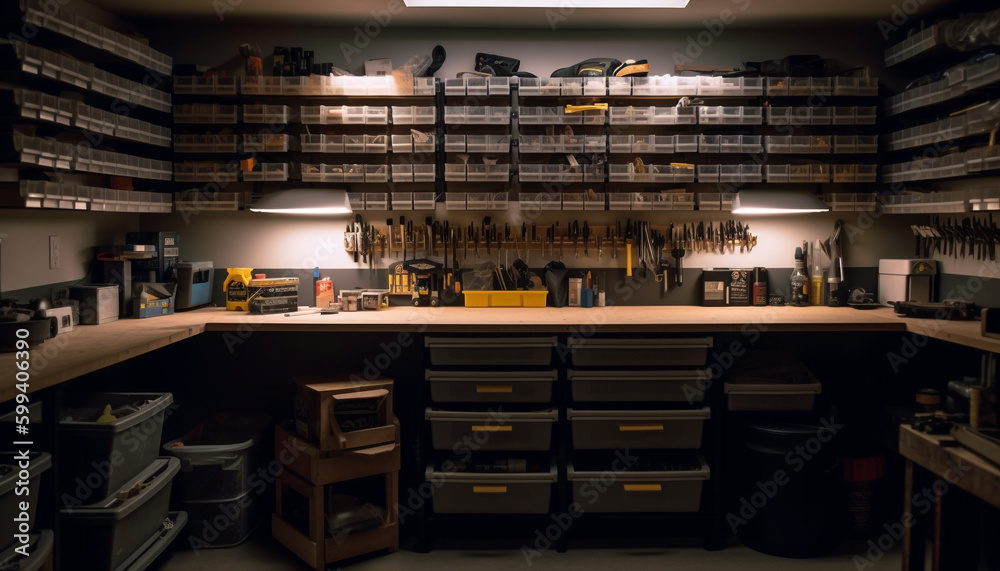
<point>790,485</point>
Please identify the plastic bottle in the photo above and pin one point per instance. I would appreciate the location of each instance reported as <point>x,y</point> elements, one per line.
<point>816,281</point>
<point>236,288</point>
<point>798,294</point>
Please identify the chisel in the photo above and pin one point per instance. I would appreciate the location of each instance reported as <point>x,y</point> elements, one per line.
<point>388,231</point>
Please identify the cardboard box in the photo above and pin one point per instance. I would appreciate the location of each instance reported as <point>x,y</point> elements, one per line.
<point>343,414</point>
<point>324,293</point>
<point>273,295</point>
<point>713,287</point>
<point>98,302</point>
<point>153,299</point>
<point>379,67</point>
<point>739,287</point>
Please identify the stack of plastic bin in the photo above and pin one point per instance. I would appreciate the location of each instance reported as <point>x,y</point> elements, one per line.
<point>220,463</point>
<point>114,490</point>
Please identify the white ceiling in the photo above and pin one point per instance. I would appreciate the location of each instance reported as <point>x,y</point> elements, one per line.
<point>741,13</point>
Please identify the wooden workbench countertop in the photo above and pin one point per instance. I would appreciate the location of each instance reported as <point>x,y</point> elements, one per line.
<point>89,348</point>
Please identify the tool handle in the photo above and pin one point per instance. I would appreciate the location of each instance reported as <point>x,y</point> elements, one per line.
<point>628,258</point>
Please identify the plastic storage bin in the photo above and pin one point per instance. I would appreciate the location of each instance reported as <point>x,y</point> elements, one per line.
<point>484,493</point>
<point>10,498</point>
<point>771,395</point>
<point>490,351</point>
<point>663,486</point>
<point>244,513</point>
<point>97,458</point>
<point>680,351</point>
<point>110,535</point>
<point>636,386</point>
<point>218,455</point>
<point>39,549</point>
<point>640,429</point>
<point>483,386</point>
<point>492,430</point>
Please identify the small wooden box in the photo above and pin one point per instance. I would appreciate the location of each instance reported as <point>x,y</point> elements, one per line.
<point>345,414</point>
<point>319,467</point>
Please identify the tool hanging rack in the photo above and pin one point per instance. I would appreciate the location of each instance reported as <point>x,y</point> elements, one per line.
<point>972,236</point>
<point>555,241</point>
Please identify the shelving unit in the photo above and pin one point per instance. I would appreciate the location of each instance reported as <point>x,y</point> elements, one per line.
<point>70,114</point>
<point>319,130</point>
<point>504,128</point>
<point>953,116</point>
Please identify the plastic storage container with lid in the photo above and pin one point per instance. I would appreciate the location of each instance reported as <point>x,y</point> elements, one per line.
<point>219,455</point>
<point>114,533</point>
<point>97,457</point>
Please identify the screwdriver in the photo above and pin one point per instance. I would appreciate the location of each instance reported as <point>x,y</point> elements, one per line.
<point>628,248</point>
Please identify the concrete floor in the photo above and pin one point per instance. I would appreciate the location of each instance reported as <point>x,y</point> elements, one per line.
<point>261,553</point>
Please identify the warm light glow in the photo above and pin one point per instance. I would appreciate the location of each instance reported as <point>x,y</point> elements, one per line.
<point>545,3</point>
<point>304,201</point>
<point>777,202</point>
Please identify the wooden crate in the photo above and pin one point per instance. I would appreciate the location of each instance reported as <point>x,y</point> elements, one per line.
<point>319,467</point>
<point>314,547</point>
<point>318,400</point>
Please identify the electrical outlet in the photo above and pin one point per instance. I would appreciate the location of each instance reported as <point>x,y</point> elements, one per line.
<point>53,252</point>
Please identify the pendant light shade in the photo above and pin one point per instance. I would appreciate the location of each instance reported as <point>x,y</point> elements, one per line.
<point>304,201</point>
<point>777,202</point>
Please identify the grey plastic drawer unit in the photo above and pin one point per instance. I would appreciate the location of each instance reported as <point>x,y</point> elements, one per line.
<point>485,493</point>
<point>492,430</point>
<point>495,351</point>
<point>639,429</point>
<point>681,351</point>
<point>39,548</point>
<point>603,491</point>
<point>13,488</point>
<point>491,386</point>
<point>772,396</point>
<point>637,386</point>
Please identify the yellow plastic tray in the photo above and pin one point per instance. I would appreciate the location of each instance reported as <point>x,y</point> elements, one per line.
<point>516,298</point>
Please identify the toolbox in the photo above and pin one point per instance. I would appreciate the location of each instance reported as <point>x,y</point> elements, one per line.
<point>273,295</point>
<point>486,493</point>
<point>491,386</point>
<point>491,430</point>
<point>343,414</point>
<point>641,429</point>
<point>662,486</point>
